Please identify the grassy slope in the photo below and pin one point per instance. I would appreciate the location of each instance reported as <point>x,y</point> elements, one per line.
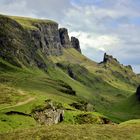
<point>129,131</point>
<point>35,83</point>
<point>41,86</point>
<point>108,94</point>
<point>28,23</point>
<point>117,102</point>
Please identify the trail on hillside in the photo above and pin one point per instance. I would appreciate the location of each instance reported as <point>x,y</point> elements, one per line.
<point>20,103</point>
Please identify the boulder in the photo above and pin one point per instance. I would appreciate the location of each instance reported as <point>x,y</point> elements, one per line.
<point>51,113</point>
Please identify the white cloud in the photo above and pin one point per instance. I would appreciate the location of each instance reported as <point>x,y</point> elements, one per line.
<point>100,42</point>
<point>108,26</point>
<point>18,8</point>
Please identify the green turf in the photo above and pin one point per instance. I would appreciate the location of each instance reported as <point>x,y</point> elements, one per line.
<point>75,132</point>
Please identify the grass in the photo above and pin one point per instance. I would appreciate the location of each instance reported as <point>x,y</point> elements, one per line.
<point>15,121</point>
<point>42,86</point>
<point>29,23</point>
<point>109,88</point>
<point>74,132</point>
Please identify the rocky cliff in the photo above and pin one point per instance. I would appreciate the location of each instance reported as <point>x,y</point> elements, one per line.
<point>25,41</point>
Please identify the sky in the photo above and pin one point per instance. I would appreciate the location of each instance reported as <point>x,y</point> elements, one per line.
<point>111,26</point>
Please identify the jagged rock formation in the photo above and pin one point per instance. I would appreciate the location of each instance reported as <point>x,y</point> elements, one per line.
<point>46,38</point>
<point>119,71</point>
<point>52,113</point>
<point>30,44</point>
<point>109,58</point>
<point>64,37</point>
<point>138,93</point>
<point>65,41</point>
<point>75,43</point>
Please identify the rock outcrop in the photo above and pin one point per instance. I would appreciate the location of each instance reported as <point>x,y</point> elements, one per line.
<point>52,113</point>
<point>64,37</point>
<point>83,106</point>
<point>109,58</point>
<point>138,93</point>
<point>66,42</point>
<point>75,44</point>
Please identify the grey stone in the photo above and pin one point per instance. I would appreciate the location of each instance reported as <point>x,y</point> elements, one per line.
<point>50,114</point>
<point>75,44</point>
<point>64,37</point>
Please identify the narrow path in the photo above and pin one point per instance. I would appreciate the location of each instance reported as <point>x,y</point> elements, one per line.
<point>20,103</point>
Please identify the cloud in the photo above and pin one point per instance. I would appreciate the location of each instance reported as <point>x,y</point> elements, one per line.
<point>111,29</point>
<point>38,8</point>
<point>15,7</point>
<point>100,42</point>
<point>111,26</point>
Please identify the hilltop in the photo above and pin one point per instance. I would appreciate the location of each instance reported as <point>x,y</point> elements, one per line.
<point>45,79</point>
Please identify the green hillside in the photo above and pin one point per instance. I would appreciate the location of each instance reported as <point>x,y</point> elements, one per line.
<point>94,96</point>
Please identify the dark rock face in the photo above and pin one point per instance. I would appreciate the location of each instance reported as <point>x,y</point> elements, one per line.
<point>71,73</point>
<point>64,37</point>
<point>47,39</point>
<point>75,44</point>
<point>138,93</point>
